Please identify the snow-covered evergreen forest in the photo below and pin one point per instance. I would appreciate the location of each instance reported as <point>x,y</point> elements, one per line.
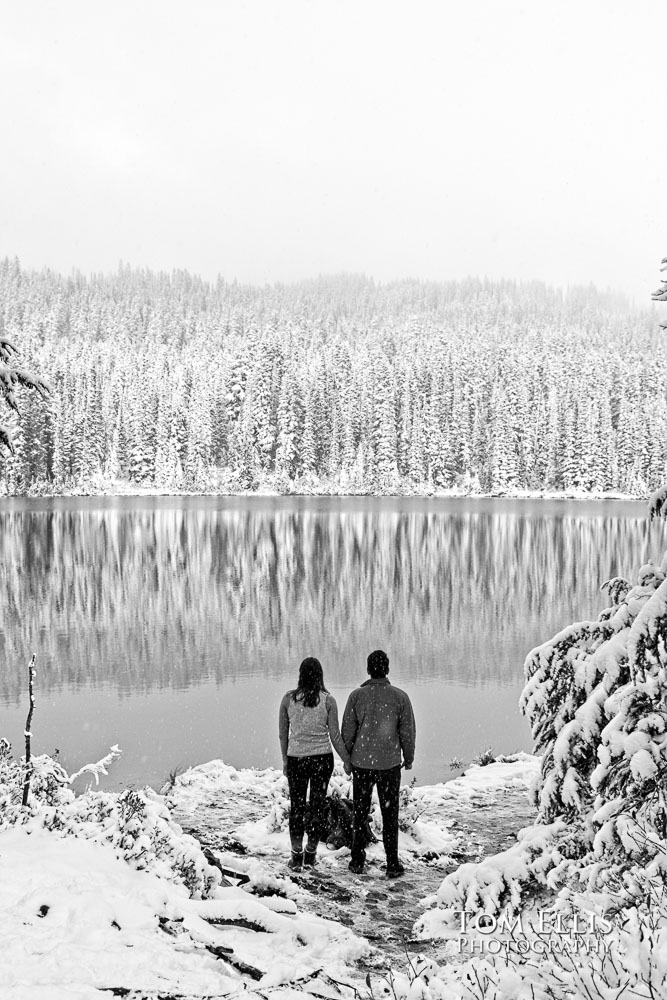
<point>334,385</point>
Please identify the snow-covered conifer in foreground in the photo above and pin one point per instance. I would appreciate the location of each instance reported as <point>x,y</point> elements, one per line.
<point>595,698</point>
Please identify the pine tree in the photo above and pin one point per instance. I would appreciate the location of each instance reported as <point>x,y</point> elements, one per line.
<point>308,453</point>
<point>403,422</point>
<point>287,427</point>
<point>503,456</point>
<point>260,390</point>
<point>416,462</point>
<point>384,426</point>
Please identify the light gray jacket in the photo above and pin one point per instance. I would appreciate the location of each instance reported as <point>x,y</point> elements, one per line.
<point>304,732</point>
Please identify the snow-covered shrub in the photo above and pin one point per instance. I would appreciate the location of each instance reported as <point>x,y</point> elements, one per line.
<point>49,781</point>
<point>484,757</point>
<point>136,823</point>
<point>410,808</point>
<point>604,946</point>
<point>11,779</point>
<point>494,884</point>
<point>278,817</point>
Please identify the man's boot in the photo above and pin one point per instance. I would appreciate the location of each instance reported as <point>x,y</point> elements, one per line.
<point>295,863</point>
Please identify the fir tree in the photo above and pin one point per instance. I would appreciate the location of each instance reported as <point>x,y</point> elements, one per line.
<point>384,426</point>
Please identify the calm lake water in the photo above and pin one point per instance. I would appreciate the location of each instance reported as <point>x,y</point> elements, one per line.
<point>172,626</point>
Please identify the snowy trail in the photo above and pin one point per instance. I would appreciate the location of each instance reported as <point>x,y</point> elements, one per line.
<point>242,815</point>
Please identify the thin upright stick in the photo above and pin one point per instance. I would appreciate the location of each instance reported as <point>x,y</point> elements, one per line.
<point>28,733</point>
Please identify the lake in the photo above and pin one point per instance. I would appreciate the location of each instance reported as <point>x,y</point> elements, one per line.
<point>172,626</point>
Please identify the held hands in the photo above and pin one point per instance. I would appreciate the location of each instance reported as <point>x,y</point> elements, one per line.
<point>348,769</point>
<point>285,766</point>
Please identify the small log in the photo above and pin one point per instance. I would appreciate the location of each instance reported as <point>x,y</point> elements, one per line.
<point>224,955</point>
<point>250,925</point>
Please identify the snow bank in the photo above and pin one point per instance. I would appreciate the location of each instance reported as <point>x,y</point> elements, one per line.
<point>75,919</point>
<point>105,892</point>
<point>74,916</point>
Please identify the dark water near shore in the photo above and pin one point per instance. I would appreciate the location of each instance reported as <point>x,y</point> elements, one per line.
<point>172,626</point>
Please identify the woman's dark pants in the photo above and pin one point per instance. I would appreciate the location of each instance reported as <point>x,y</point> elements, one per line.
<point>388,782</point>
<point>315,771</point>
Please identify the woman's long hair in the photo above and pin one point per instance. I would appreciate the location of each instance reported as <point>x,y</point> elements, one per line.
<point>311,683</point>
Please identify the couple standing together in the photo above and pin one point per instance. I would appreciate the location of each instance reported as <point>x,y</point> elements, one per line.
<point>376,739</point>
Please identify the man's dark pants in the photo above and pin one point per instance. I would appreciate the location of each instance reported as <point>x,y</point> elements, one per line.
<point>316,770</point>
<point>388,783</point>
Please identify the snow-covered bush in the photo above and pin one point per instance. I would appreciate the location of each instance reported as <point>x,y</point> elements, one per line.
<point>136,823</point>
<point>603,946</point>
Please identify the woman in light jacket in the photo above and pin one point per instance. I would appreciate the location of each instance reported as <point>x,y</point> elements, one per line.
<point>307,727</point>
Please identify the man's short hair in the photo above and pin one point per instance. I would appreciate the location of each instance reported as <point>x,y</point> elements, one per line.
<point>378,663</point>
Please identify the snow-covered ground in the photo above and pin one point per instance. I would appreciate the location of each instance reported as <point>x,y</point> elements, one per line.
<point>426,815</point>
<point>89,907</point>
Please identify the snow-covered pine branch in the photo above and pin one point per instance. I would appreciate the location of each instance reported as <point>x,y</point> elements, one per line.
<point>5,438</point>
<point>11,377</point>
<point>617,587</point>
<point>657,505</point>
<point>7,349</point>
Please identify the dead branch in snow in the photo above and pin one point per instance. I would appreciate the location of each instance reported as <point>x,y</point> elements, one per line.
<point>28,733</point>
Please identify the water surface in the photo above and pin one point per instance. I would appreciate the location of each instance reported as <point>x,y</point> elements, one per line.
<point>172,626</point>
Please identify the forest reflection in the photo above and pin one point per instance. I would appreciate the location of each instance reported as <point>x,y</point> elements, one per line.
<point>169,596</point>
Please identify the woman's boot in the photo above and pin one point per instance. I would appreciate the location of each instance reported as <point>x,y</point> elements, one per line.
<point>310,854</point>
<point>295,863</point>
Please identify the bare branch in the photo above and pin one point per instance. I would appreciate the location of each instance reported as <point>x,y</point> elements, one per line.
<point>28,733</point>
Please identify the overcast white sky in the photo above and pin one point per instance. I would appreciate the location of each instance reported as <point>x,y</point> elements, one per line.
<point>270,141</point>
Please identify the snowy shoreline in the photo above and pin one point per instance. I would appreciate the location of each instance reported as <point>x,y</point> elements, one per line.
<point>133,490</point>
<point>79,917</point>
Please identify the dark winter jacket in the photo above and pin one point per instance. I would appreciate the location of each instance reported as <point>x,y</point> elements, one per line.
<point>379,724</point>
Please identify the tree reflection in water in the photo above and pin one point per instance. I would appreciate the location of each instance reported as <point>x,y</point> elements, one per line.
<point>168,593</point>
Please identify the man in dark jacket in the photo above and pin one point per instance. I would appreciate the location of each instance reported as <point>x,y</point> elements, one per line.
<point>378,728</point>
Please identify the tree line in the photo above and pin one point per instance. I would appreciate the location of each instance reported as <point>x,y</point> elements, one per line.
<point>335,385</point>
